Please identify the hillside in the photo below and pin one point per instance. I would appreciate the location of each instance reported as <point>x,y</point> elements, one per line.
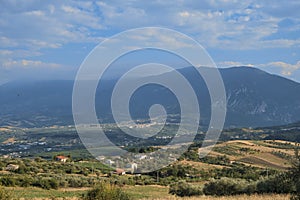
<point>273,154</point>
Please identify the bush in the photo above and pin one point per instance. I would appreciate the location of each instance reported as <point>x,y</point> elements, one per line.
<point>228,186</point>
<point>25,182</point>
<point>279,184</point>
<point>7,181</point>
<point>219,160</point>
<point>53,183</point>
<point>183,188</point>
<point>105,191</point>
<point>46,183</point>
<point>76,182</point>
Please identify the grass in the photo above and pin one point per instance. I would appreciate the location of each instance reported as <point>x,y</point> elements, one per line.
<point>136,192</point>
<point>161,193</point>
<point>152,192</point>
<point>38,193</point>
<point>240,197</point>
<point>147,192</point>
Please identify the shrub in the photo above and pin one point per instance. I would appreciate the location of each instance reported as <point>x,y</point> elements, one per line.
<point>219,160</point>
<point>280,184</point>
<point>7,181</point>
<point>228,186</point>
<point>183,188</point>
<point>25,181</point>
<point>53,183</point>
<point>76,182</point>
<point>46,184</point>
<point>105,191</point>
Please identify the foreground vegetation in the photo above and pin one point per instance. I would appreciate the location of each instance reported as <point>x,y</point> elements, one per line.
<point>134,192</point>
<point>235,169</point>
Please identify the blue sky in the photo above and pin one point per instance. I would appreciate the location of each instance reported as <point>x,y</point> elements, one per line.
<point>49,39</point>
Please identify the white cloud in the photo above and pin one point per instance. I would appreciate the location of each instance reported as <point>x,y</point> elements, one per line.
<point>287,69</point>
<point>5,52</point>
<point>70,9</point>
<point>218,23</point>
<point>7,42</point>
<point>28,27</point>
<point>215,23</point>
<point>184,14</point>
<point>123,17</point>
<point>47,25</point>
<point>37,13</point>
<point>233,64</point>
<point>29,64</point>
<point>280,43</point>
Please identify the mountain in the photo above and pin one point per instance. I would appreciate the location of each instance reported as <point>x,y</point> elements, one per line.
<point>254,98</point>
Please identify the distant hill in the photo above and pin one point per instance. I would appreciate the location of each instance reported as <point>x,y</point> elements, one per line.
<point>255,98</point>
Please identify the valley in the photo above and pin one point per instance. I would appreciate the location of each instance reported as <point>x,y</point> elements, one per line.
<point>241,154</point>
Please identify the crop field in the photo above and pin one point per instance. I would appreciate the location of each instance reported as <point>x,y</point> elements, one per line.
<point>265,154</point>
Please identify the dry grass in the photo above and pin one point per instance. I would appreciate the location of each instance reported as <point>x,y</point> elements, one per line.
<point>150,192</point>
<point>240,197</point>
<point>200,165</point>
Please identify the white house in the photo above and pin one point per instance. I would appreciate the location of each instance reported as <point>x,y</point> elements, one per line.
<point>109,162</point>
<point>132,167</point>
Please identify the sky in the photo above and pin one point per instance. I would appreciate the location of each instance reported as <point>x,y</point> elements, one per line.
<point>42,39</point>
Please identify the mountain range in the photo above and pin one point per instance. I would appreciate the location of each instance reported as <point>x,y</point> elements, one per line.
<point>254,98</point>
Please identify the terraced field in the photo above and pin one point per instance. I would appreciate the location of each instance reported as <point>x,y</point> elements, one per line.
<point>265,154</point>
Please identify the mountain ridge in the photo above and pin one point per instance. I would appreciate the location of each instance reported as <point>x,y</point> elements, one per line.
<point>254,98</point>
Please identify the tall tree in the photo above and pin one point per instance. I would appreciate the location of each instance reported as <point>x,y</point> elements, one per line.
<point>295,174</point>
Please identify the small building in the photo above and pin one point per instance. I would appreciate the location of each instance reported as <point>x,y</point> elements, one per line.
<point>12,167</point>
<point>109,162</point>
<point>140,156</point>
<point>131,167</point>
<point>61,158</point>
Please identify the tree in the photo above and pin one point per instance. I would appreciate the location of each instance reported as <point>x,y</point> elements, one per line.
<point>295,174</point>
<point>183,189</point>
<point>280,184</point>
<point>105,191</point>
